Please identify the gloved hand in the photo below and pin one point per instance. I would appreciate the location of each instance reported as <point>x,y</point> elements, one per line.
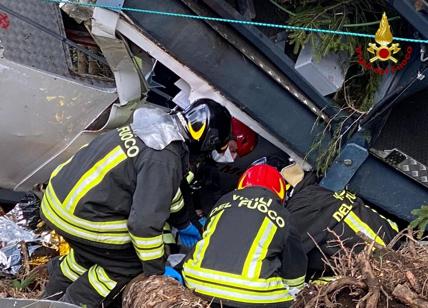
<point>189,235</point>
<point>170,272</point>
<point>203,221</point>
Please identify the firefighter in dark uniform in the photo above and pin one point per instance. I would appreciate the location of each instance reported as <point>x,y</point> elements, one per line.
<point>111,200</point>
<point>316,210</point>
<point>250,254</point>
<point>209,184</point>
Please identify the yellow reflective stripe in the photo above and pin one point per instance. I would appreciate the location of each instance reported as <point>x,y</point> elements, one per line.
<point>357,225</point>
<point>167,236</point>
<point>177,202</point>
<point>258,249</point>
<point>202,245</point>
<point>76,267</point>
<point>146,242</point>
<point>238,295</point>
<point>324,280</point>
<point>113,226</point>
<point>393,225</point>
<point>93,177</point>
<point>66,270</point>
<point>105,279</point>
<point>296,282</point>
<point>58,169</point>
<point>148,248</point>
<point>65,225</point>
<point>96,284</point>
<point>189,177</point>
<point>232,280</point>
<point>150,254</point>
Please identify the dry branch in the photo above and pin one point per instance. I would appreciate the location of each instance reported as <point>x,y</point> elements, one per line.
<point>376,277</point>
<point>408,297</point>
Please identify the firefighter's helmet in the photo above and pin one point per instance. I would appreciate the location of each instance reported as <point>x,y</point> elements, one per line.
<point>245,137</point>
<point>208,125</point>
<point>266,176</point>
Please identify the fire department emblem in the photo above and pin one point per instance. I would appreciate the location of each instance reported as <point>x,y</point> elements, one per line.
<point>382,49</point>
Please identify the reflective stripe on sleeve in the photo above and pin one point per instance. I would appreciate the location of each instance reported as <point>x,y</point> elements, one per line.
<point>167,236</point>
<point>190,177</point>
<point>296,282</point>
<point>151,254</point>
<point>177,202</point>
<point>146,242</point>
<point>392,224</point>
<point>258,249</point>
<point>148,248</point>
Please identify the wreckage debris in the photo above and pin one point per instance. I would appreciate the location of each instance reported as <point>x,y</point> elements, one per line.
<point>25,248</point>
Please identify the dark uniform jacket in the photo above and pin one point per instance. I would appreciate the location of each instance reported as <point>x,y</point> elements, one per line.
<point>315,209</point>
<point>250,254</point>
<point>117,192</point>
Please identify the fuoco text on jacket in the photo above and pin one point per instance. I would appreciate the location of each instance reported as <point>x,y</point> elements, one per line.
<point>129,141</point>
<point>262,206</point>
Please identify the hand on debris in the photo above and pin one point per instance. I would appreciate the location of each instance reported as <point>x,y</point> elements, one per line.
<point>189,236</point>
<point>171,272</point>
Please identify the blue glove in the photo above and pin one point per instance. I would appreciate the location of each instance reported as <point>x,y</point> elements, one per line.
<point>170,272</point>
<point>189,235</point>
<point>203,221</point>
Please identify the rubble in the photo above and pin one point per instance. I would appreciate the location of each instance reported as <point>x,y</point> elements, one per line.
<point>375,277</point>
<point>25,248</point>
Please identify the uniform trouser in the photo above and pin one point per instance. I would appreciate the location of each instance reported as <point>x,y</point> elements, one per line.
<point>90,275</point>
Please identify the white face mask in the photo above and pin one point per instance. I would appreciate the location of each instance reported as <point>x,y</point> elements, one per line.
<point>225,157</point>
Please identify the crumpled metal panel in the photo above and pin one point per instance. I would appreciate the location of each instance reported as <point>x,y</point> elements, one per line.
<point>41,115</point>
<point>28,45</point>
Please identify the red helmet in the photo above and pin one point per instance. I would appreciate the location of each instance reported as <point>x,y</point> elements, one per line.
<point>266,176</point>
<point>245,138</point>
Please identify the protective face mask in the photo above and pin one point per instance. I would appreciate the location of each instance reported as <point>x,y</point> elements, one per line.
<point>225,157</point>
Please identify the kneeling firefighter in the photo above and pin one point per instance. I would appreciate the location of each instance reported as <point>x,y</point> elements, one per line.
<point>250,255</point>
<point>111,200</point>
<point>320,215</point>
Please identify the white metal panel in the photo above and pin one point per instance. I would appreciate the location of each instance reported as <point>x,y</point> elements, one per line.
<point>41,114</point>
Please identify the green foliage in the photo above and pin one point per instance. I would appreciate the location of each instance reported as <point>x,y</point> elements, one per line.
<point>339,15</point>
<point>421,221</point>
<point>356,96</point>
<point>21,284</point>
